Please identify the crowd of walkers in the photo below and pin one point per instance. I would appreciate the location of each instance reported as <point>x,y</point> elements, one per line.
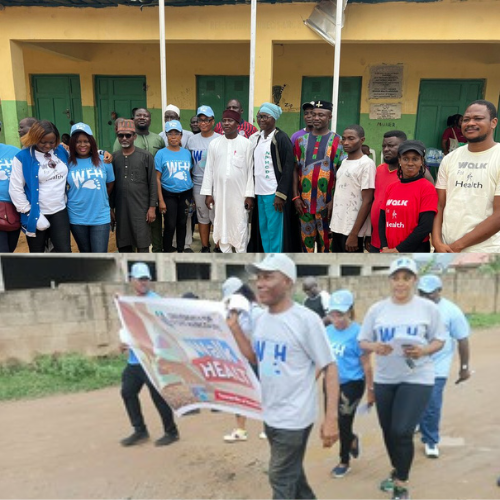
<point>258,191</point>
<point>413,334</point>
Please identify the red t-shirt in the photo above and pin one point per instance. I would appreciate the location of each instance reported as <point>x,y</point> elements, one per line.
<point>448,134</point>
<point>404,202</point>
<point>383,179</point>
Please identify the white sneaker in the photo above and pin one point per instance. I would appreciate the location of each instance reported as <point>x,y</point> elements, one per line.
<point>431,450</point>
<point>262,435</point>
<point>235,436</point>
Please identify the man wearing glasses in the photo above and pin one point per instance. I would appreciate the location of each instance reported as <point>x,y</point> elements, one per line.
<point>134,197</point>
<point>198,146</point>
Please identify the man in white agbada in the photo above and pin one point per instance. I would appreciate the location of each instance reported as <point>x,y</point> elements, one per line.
<point>229,185</point>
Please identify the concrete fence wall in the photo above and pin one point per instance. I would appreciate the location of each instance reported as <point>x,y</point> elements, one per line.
<point>82,317</point>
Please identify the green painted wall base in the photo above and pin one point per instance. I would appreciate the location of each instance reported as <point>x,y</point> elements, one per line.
<point>375,130</point>
<point>11,113</point>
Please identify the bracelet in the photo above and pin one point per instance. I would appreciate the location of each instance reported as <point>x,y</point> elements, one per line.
<point>296,198</point>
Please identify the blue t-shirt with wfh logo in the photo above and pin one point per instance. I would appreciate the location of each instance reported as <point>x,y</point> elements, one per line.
<point>132,358</point>
<point>7,154</point>
<point>175,169</point>
<point>345,347</point>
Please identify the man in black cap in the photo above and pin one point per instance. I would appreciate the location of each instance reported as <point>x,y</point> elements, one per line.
<point>307,107</point>
<point>317,157</point>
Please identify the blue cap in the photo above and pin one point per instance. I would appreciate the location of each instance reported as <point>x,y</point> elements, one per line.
<point>140,270</point>
<point>205,110</point>
<point>81,127</point>
<point>430,283</point>
<point>173,125</point>
<point>341,300</point>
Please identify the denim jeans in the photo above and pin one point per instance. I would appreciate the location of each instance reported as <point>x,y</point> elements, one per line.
<point>286,466</point>
<point>91,239</point>
<point>429,423</point>
<point>399,409</point>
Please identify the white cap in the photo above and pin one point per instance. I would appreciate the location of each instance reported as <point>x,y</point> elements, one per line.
<point>140,270</point>
<point>275,262</point>
<point>173,108</point>
<point>230,286</point>
<point>238,303</point>
<point>403,263</point>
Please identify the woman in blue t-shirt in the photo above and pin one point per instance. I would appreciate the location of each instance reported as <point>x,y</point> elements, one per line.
<point>355,373</point>
<point>89,183</point>
<point>175,187</point>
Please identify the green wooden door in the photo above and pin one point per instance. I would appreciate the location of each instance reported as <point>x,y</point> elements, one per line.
<point>216,91</point>
<point>439,99</point>
<point>57,98</point>
<point>119,94</point>
<point>321,87</point>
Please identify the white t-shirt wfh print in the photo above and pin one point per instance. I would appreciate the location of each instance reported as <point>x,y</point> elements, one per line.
<point>471,181</point>
<point>352,177</point>
<point>290,347</point>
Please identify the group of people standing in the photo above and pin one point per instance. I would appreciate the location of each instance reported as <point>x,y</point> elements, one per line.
<point>290,345</point>
<point>317,191</point>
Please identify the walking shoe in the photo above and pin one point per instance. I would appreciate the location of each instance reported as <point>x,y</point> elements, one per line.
<point>355,450</point>
<point>340,471</point>
<point>400,493</point>
<point>205,250</point>
<point>262,435</point>
<point>167,438</point>
<point>387,484</point>
<point>431,450</point>
<point>188,250</point>
<point>235,436</point>
<point>135,438</point>
<point>217,250</point>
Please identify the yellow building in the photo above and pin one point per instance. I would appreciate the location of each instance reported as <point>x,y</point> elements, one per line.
<point>404,65</point>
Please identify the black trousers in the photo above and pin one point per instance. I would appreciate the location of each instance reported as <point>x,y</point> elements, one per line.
<point>8,240</point>
<point>131,249</point>
<point>350,396</point>
<point>175,218</point>
<point>58,232</point>
<point>133,379</point>
<point>399,408</point>
<point>339,241</point>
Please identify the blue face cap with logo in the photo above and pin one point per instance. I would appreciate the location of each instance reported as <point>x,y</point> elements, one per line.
<point>403,263</point>
<point>173,125</point>
<point>81,127</point>
<point>429,283</point>
<point>205,110</point>
<point>341,300</point>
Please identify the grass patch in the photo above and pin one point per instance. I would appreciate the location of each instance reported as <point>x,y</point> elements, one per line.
<point>58,373</point>
<point>482,320</point>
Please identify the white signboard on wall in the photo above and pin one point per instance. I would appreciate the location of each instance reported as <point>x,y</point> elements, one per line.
<point>386,82</point>
<point>385,111</point>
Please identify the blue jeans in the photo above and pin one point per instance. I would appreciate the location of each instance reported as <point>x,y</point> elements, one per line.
<point>429,423</point>
<point>286,467</point>
<point>91,239</point>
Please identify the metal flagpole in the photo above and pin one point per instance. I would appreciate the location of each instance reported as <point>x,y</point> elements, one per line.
<point>336,63</point>
<point>163,60</point>
<point>253,30</point>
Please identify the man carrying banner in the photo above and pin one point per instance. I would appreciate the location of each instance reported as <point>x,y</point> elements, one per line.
<point>134,377</point>
<point>290,345</point>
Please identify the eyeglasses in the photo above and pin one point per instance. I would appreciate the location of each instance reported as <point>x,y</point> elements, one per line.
<point>263,117</point>
<point>208,120</point>
<point>124,136</point>
<point>51,163</point>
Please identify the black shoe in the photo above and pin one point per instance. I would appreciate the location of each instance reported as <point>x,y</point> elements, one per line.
<point>205,250</point>
<point>188,250</point>
<point>217,250</point>
<point>135,438</point>
<point>167,438</point>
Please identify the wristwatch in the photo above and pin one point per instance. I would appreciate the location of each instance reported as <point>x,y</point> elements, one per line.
<point>464,367</point>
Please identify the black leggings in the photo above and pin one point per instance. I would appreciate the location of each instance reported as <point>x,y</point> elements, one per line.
<point>399,408</point>
<point>58,232</point>
<point>350,396</point>
<point>175,218</point>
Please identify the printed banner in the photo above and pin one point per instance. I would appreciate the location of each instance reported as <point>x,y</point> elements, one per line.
<point>189,354</point>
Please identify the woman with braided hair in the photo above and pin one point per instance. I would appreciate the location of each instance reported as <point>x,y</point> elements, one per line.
<point>409,206</point>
